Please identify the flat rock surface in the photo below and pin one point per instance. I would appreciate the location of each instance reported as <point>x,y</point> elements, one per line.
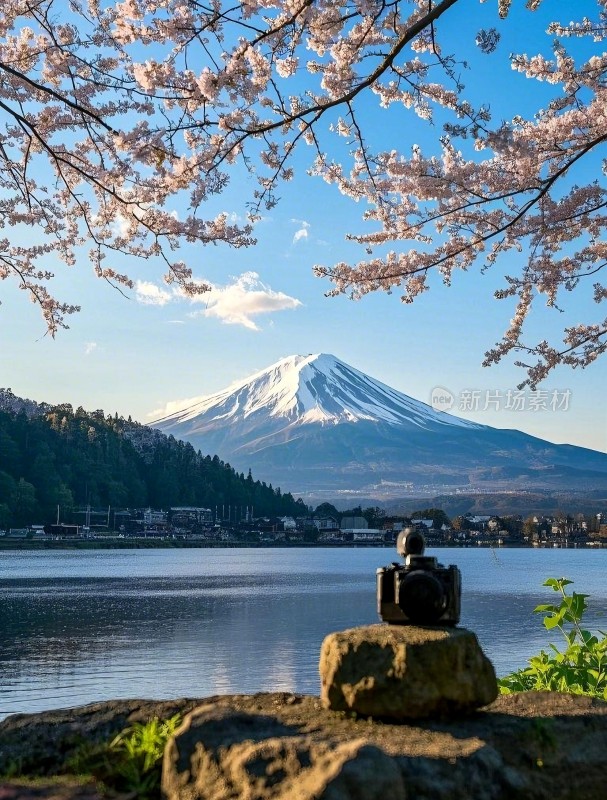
<point>532,746</point>
<point>402,672</point>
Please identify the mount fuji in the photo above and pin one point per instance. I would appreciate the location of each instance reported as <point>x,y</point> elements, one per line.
<point>315,426</point>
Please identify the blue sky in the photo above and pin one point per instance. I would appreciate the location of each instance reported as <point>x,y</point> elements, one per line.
<point>136,355</point>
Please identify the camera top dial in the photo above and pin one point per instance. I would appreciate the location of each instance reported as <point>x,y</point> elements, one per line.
<point>410,542</point>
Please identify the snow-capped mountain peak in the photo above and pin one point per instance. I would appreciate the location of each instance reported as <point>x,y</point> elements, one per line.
<point>311,389</point>
<point>313,423</point>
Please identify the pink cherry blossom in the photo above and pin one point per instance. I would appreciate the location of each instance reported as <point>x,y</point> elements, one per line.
<point>111,111</point>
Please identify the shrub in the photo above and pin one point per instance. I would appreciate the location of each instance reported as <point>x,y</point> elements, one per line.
<point>131,761</point>
<point>579,668</point>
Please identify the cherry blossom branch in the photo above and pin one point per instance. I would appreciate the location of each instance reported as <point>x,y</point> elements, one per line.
<point>228,83</point>
<point>63,99</point>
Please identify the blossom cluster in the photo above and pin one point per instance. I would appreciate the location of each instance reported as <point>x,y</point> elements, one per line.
<point>112,111</point>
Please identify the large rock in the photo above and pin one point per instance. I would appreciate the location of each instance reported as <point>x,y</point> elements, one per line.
<point>222,753</point>
<point>284,747</point>
<point>530,746</point>
<point>40,744</point>
<point>405,672</point>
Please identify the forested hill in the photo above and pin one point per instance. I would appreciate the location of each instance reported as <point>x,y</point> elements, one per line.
<point>55,455</point>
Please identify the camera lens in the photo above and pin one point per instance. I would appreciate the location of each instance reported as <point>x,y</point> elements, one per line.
<point>422,598</point>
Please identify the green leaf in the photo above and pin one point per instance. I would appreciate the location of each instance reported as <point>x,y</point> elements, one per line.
<point>547,607</point>
<point>580,668</point>
<point>558,584</point>
<point>589,639</point>
<point>553,622</point>
<point>571,636</point>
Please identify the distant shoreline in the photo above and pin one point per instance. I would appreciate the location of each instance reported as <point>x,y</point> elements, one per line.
<point>165,544</point>
<point>172,544</point>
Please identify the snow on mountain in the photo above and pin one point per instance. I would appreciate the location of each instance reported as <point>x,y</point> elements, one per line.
<point>313,389</point>
<point>314,425</point>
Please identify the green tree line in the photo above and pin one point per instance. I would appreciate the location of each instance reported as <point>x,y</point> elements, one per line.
<point>73,458</point>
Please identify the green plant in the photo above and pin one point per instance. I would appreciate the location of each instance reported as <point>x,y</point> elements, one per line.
<point>580,668</point>
<point>539,740</point>
<point>13,768</point>
<point>131,761</point>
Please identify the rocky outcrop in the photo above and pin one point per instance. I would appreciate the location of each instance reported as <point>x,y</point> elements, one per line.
<point>402,672</point>
<point>41,744</point>
<point>220,752</point>
<point>287,747</point>
<point>532,746</point>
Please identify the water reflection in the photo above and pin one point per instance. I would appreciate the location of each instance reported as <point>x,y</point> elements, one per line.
<point>152,637</point>
<point>231,621</point>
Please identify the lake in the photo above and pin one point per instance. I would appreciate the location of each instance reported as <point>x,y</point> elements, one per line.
<point>80,626</point>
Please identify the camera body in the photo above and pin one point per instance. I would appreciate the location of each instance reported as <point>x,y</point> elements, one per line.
<point>422,592</point>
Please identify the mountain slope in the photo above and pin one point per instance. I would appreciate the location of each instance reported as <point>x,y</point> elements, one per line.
<point>54,456</point>
<point>310,389</point>
<point>313,423</point>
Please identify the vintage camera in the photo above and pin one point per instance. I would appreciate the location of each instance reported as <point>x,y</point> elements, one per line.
<point>422,592</point>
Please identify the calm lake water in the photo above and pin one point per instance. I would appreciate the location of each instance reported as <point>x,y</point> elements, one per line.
<point>81,626</point>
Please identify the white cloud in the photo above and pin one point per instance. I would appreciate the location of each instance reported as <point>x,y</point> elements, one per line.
<point>151,295</point>
<point>237,303</point>
<point>89,348</point>
<point>172,406</point>
<point>245,298</point>
<point>302,231</point>
<point>121,227</point>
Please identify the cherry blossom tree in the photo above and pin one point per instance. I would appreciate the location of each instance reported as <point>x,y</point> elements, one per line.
<point>113,110</point>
